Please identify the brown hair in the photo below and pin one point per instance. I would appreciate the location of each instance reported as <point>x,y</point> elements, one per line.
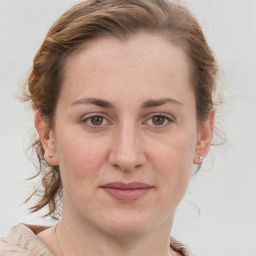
<point>92,19</point>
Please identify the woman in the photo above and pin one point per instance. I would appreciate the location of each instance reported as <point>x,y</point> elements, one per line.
<point>122,93</point>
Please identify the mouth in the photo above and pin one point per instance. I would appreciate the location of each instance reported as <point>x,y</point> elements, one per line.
<point>127,191</point>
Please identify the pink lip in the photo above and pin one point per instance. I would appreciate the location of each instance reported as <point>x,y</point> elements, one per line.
<point>127,191</point>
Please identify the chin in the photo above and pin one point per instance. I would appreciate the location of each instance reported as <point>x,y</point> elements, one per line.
<point>127,224</point>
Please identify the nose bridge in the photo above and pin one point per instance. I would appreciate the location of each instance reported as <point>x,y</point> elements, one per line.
<point>127,138</point>
<point>127,149</point>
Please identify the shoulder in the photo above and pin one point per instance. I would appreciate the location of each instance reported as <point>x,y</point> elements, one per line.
<point>8,248</point>
<point>22,241</point>
<point>181,248</point>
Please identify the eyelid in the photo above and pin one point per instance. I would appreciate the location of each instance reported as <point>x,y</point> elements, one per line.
<point>86,116</point>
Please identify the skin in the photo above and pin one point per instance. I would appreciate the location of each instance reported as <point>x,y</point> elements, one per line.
<point>129,142</point>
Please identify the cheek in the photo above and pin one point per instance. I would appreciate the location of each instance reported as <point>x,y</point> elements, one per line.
<point>80,160</point>
<point>173,163</point>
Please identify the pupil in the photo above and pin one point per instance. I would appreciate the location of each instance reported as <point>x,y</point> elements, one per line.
<point>97,120</point>
<point>158,120</point>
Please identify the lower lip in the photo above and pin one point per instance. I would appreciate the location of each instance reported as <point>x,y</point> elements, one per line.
<point>127,194</point>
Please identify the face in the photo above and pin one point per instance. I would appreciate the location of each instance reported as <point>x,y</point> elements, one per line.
<point>125,134</point>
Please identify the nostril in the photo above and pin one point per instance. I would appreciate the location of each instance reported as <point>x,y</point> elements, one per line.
<point>116,166</point>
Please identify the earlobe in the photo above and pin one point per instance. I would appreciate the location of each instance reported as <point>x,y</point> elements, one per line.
<point>204,138</point>
<point>47,139</point>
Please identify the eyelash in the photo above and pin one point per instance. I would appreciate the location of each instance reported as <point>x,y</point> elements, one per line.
<point>167,120</point>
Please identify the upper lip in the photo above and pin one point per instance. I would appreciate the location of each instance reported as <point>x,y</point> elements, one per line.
<point>130,185</point>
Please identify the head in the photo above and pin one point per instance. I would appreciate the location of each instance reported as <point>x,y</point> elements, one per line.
<point>113,45</point>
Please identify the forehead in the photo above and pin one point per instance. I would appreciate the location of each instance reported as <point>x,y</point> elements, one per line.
<point>145,64</point>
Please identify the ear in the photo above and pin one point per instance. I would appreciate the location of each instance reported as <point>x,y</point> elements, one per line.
<point>47,139</point>
<point>204,138</point>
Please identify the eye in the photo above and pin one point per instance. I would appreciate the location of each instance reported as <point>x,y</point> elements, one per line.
<point>159,121</point>
<point>95,121</point>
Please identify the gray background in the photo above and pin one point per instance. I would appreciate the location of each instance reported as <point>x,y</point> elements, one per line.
<point>217,215</point>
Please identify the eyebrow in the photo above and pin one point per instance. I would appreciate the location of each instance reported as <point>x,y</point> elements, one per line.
<point>159,102</point>
<point>106,104</point>
<point>95,101</point>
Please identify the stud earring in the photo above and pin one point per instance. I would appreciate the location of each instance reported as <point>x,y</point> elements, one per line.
<point>200,164</point>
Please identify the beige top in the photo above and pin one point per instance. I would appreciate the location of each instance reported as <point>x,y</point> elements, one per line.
<point>22,241</point>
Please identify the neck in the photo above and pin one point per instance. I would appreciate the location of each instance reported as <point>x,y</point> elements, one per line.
<point>75,237</point>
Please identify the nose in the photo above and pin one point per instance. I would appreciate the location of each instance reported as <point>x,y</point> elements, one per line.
<point>127,152</point>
